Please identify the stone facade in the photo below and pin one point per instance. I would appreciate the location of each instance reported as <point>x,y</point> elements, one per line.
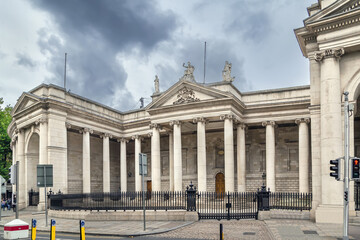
<point>219,138</point>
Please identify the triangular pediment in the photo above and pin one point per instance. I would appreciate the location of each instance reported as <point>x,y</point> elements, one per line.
<point>25,101</point>
<point>335,10</point>
<point>184,92</point>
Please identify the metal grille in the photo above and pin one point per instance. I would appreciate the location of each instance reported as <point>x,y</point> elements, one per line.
<point>212,205</point>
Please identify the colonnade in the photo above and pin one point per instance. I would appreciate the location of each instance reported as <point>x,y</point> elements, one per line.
<point>175,156</point>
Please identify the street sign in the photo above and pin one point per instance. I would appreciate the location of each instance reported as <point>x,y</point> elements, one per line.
<point>42,171</point>
<point>143,164</point>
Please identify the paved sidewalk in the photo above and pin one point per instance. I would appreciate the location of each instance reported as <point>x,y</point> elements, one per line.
<point>205,229</point>
<point>111,228</point>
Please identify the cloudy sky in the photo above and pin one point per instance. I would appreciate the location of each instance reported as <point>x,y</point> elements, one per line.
<point>115,48</point>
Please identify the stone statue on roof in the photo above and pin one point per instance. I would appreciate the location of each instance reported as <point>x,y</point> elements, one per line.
<point>156,82</point>
<point>188,73</point>
<point>226,73</point>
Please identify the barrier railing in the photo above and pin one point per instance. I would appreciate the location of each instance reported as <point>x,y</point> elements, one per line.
<point>228,205</point>
<point>118,201</point>
<point>290,201</point>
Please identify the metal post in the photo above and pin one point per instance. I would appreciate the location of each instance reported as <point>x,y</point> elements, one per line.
<point>142,188</point>
<point>17,191</point>
<point>346,169</point>
<point>221,232</point>
<point>46,212</point>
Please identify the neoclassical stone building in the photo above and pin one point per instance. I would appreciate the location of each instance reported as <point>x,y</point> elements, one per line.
<point>219,138</point>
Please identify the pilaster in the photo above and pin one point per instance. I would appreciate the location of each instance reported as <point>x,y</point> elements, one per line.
<point>331,134</point>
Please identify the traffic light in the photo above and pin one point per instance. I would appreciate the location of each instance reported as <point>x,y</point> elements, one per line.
<point>335,169</point>
<point>12,174</point>
<point>355,168</point>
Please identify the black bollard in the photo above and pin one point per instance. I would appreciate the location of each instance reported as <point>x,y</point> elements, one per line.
<point>221,232</point>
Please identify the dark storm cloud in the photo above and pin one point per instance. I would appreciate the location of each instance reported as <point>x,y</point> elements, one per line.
<point>93,32</point>
<point>252,22</point>
<point>24,60</point>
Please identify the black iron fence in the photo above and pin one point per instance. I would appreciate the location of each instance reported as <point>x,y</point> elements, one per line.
<point>119,201</point>
<point>237,205</point>
<point>209,205</point>
<point>357,196</point>
<point>290,201</point>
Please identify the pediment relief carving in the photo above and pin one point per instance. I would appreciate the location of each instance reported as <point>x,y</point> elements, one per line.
<point>186,95</point>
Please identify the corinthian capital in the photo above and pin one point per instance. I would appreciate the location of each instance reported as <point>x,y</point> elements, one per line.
<point>265,123</point>
<point>107,135</point>
<point>175,122</point>
<point>227,116</point>
<point>85,130</point>
<point>302,120</point>
<point>136,137</point>
<point>123,140</point>
<point>200,119</point>
<point>154,125</point>
<point>329,53</point>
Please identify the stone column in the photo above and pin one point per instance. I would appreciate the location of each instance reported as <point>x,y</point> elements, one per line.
<point>123,167</point>
<point>241,158</point>
<point>315,128</point>
<point>106,162</point>
<point>171,161</point>
<point>177,156</point>
<point>303,154</point>
<point>155,158</point>
<point>14,158</point>
<point>201,153</point>
<point>137,176</point>
<point>270,154</point>
<point>20,150</point>
<point>229,152</point>
<point>43,154</point>
<point>86,160</point>
<point>330,210</point>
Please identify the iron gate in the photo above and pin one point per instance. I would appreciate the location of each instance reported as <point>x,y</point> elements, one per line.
<point>33,198</point>
<point>237,205</point>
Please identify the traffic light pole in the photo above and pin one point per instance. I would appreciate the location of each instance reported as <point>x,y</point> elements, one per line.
<point>346,168</point>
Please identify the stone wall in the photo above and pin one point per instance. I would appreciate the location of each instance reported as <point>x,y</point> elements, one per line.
<point>74,156</point>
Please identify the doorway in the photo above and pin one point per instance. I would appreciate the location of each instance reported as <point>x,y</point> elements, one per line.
<point>220,185</point>
<point>148,187</point>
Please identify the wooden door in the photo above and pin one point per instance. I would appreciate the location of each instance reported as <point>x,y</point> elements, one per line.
<point>220,184</point>
<point>148,187</point>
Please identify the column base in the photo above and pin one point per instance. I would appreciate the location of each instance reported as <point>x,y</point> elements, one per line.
<point>329,214</point>
<point>41,206</point>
